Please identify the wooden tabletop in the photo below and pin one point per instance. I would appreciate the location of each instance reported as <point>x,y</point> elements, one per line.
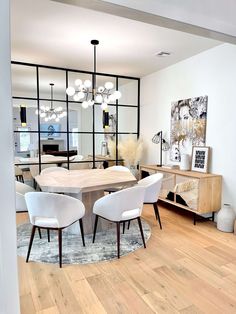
<point>87,180</point>
<point>44,159</point>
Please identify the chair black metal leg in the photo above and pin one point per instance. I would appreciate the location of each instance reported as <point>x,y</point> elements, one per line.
<point>123,227</point>
<point>30,243</point>
<point>95,227</point>
<point>48,232</point>
<point>128,225</point>
<point>60,246</point>
<point>157,214</point>
<point>118,238</point>
<point>82,230</point>
<point>39,231</point>
<point>141,231</point>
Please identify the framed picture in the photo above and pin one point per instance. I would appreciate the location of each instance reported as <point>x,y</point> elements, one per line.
<point>200,157</point>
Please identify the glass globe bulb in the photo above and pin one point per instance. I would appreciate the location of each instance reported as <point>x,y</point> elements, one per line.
<point>76,97</point>
<point>85,104</point>
<point>70,91</point>
<point>47,108</point>
<point>87,83</point>
<point>117,94</point>
<point>36,111</point>
<point>82,88</point>
<point>42,108</point>
<point>43,115</point>
<point>99,98</point>
<point>81,95</point>
<point>57,119</point>
<point>46,119</point>
<point>101,89</point>
<point>53,116</point>
<point>59,108</point>
<point>109,85</point>
<point>78,82</point>
<point>104,105</point>
<point>91,102</point>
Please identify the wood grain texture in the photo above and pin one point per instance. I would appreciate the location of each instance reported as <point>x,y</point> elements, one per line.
<point>209,188</point>
<point>185,269</point>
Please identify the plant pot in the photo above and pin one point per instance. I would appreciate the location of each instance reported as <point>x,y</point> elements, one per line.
<point>225,218</point>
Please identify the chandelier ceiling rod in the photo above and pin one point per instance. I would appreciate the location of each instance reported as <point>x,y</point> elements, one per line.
<point>51,84</point>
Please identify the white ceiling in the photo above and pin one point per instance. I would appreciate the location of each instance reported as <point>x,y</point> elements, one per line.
<point>57,34</point>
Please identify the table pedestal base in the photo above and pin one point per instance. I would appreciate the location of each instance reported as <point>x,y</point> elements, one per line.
<point>89,198</point>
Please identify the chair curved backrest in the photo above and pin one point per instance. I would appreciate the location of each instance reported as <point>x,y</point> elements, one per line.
<point>18,171</point>
<point>53,169</point>
<point>63,208</point>
<point>21,190</point>
<point>152,186</point>
<point>112,206</point>
<point>118,168</point>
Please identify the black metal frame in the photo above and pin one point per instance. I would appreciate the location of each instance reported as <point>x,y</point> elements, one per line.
<point>117,105</point>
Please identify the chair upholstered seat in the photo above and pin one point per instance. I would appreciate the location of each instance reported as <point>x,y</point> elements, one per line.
<point>46,222</point>
<point>130,214</point>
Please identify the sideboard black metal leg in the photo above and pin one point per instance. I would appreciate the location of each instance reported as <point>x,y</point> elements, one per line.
<point>194,219</point>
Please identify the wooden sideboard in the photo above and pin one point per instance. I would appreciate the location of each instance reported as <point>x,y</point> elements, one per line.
<point>199,193</point>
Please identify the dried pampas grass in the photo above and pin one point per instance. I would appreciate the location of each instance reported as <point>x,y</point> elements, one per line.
<point>131,150</point>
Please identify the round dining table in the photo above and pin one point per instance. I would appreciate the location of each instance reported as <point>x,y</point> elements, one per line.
<point>88,185</point>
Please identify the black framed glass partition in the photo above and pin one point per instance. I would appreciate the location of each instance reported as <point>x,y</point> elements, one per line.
<point>79,134</point>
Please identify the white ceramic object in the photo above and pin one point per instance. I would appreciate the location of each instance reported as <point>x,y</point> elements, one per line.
<point>185,162</point>
<point>225,218</point>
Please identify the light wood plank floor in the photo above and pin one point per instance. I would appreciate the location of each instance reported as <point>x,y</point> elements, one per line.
<point>185,269</point>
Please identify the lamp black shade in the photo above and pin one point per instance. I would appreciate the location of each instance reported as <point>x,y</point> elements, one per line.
<point>23,115</point>
<point>105,119</point>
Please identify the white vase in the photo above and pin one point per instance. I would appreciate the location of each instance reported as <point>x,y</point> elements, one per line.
<point>185,162</point>
<point>225,218</point>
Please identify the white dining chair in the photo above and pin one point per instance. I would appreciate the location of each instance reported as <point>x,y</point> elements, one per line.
<point>152,185</point>
<point>21,190</point>
<point>53,169</point>
<point>118,207</point>
<point>52,211</point>
<point>19,174</point>
<point>116,168</point>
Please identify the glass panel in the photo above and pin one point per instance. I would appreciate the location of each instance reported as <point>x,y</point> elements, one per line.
<point>54,126</point>
<point>186,190</point>
<point>58,78</point>
<point>126,153</point>
<point>99,119</point>
<point>167,188</point>
<point>127,119</point>
<point>25,143</point>
<point>80,118</point>
<point>56,145</point>
<point>129,91</point>
<point>24,83</point>
<point>31,117</point>
<point>82,144</point>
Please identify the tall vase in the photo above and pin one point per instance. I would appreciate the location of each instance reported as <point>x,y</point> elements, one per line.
<point>185,162</point>
<point>225,218</point>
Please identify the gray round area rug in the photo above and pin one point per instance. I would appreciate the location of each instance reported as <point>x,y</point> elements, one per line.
<point>73,252</point>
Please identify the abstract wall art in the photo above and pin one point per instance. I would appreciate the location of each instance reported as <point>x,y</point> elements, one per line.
<point>188,126</point>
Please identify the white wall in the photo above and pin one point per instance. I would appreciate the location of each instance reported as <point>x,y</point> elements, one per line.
<point>211,73</point>
<point>9,297</point>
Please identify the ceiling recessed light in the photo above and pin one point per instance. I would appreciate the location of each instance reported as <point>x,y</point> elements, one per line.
<point>162,54</point>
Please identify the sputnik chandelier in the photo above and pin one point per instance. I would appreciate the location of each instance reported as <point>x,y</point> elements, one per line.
<point>87,92</point>
<point>51,113</point>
